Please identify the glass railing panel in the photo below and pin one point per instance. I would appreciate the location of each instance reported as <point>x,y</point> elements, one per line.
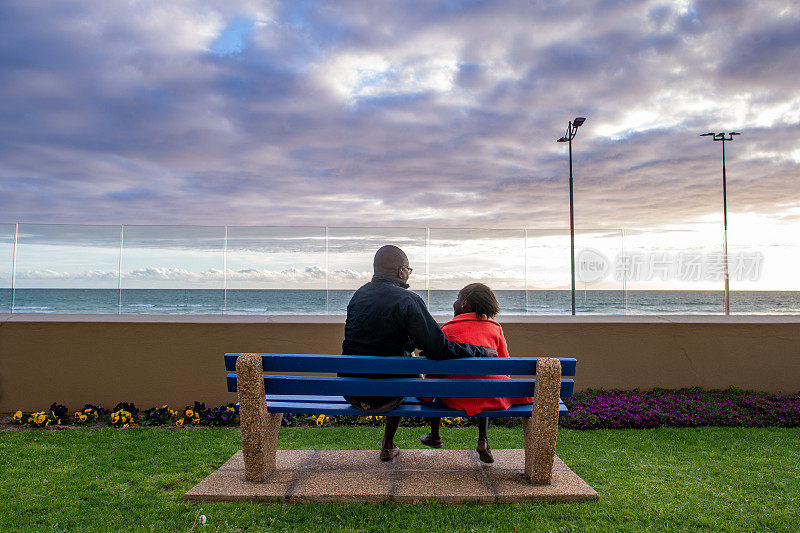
<point>350,255</point>
<point>547,267</point>
<point>284,270</point>
<point>752,271</point>
<point>598,287</point>
<point>67,269</point>
<point>762,264</point>
<point>173,270</point>
<point>275,270</point>
<point>7,232</point>
<point>675,270</point>
<point>495,258</point>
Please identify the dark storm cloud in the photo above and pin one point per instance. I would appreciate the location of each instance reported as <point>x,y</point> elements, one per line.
<point>411,114</point>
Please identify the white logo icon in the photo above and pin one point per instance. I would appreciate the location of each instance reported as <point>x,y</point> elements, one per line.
<point>591,265</point>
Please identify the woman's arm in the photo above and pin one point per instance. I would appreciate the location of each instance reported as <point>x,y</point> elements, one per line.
<point>502,347</point>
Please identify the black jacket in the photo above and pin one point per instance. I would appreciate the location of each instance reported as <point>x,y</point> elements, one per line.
<point>384,318</point>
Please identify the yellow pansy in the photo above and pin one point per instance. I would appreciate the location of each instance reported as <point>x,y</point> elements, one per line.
<point>179,422</point>
<point>189,413</point>
<point>18,416</point>
<point>82,418</point>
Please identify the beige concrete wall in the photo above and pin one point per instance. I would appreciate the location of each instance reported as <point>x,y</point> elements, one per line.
<point>176,360</point>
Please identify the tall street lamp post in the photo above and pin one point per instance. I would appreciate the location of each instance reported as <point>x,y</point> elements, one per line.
<point>572,129</point>
<point>721,137</point>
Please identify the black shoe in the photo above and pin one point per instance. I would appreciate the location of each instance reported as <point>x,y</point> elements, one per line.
<point>484,451</point>
<point>428,441</point>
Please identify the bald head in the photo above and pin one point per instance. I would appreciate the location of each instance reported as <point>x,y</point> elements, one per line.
<point>389,260</point>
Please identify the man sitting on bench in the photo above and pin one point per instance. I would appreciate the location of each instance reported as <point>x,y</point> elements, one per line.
<point>386,319</point>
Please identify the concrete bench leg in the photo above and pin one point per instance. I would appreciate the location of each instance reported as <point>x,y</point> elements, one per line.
<point>259,428</point>
<point>541,428</point>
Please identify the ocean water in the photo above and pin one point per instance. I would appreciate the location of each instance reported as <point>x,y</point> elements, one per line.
<point>334,302</point>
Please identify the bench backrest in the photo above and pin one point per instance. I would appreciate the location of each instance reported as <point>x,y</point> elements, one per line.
<point>275,383</point>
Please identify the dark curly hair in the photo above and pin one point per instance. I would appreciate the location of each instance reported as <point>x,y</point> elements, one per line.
<point>481,300</point>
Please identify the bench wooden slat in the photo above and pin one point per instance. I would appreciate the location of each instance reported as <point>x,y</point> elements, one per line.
<point>363,364</point>
<point>405,409</point>
<point>311,398</point>
<point>277,403</point>
<point>341,386</point>
<point>305,398</point>
<point>321,399</point>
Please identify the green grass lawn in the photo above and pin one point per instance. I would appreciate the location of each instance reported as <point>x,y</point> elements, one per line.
<point>715,479</point>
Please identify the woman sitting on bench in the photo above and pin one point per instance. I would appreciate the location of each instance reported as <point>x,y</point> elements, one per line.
<point>474,309</point>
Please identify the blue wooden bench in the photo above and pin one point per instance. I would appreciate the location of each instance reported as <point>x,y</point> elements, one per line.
<point>266,392</point>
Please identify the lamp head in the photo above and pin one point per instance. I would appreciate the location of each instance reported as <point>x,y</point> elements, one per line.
<point>705,134</point>
<point>734,133</point>
<point>562,140</point>
<point>578,121</point>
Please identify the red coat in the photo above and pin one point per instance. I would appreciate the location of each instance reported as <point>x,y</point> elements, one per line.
<point>473,330</point>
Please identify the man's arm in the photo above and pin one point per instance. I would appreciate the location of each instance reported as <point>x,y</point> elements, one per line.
<point>429,337</point>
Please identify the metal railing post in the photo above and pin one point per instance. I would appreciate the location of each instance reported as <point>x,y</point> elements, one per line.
<point>14,266</point>
<point>119,269</point>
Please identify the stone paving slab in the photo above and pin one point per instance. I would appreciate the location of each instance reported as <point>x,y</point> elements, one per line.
<point>449,476</point>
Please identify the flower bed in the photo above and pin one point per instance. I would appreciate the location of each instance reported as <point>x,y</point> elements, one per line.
<point>615,409</point>
<point>593,409</point>
<point>126,414</point>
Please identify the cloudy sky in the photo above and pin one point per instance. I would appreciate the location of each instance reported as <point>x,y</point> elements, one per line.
<point>440,114</point>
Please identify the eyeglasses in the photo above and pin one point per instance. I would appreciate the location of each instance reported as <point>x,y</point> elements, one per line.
<point>410,270</point>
